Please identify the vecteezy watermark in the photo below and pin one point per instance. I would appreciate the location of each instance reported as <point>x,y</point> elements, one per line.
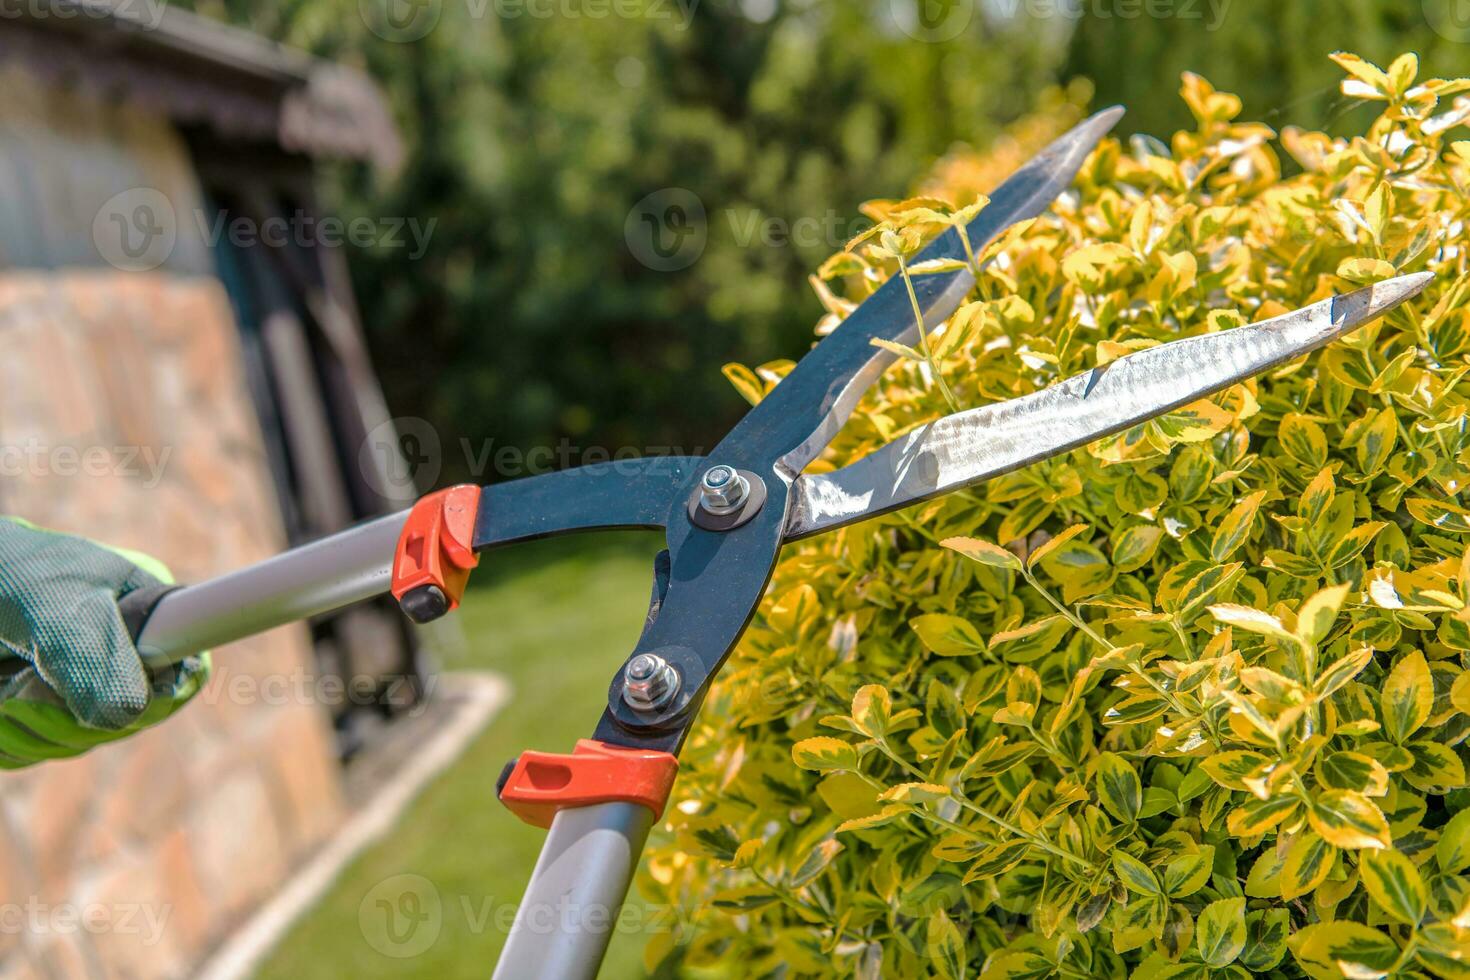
<point>34,917</point>
<point>403,916</point>
<point>1450,19</point>
<point>666,230</point>
<point>407,694</point>
<point>1210,13</point>
<point>404,21</point>
<point>135,230</point>
<point>304,230</point>
<point>937,21</point>
<point>34,458</point>
<point>828,230</point>
<point>145,13</point>
<point>401,456</point>
<point>138,229</point>
<point>405,454</point>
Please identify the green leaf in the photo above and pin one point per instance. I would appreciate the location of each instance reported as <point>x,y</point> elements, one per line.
<point>929,267</point>
<point>1252,620</point>
<point>824,754</point>
<point>1308,862</point>
<point>1186,875</point>
<point>1453,849</point>
<point>1219,932</point>
<point>1395,885</point>
<point>915,794</point>
<point>1051,546</point>
<point>947,636</point>
<point>902,350</point>
<point>984,552</point>
<point>1342,670</point>
<point>1134,874</point>
<point>886,815</point>
<point>1349,820</point>
<point>1436,769</point>
<point>1230,769</point>
<point>1256,816</point>
<point>1025,965</point>
<point>946,947</point>
<point>1235,527</point>
<point>1118,787</point>
<point>1355,771</point>
<point>872,710</point>
<point>1317,614</point>
<point>1376,443</point>
<point>1265,944</point>
<point>1134,547</point>
<point>1304,441</point>
<point>817,860</point>
<point>1030,642</point>
<point>1408,697</point>
<point>1439,514</point>
<point>1323,948</point>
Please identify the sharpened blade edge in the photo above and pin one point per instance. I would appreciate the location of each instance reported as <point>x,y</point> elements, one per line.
<point>963,449</point>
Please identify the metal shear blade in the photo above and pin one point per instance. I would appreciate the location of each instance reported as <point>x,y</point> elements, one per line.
<point>966,448</point>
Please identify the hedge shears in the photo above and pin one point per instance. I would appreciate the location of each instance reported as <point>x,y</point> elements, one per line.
<point>726,517</point>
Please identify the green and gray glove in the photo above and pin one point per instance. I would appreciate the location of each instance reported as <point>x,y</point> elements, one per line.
<point>70,675</point>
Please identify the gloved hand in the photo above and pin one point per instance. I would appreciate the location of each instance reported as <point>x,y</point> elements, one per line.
<point>70,675</point>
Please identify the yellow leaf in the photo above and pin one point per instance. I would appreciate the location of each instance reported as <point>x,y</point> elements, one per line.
<point>983,552</point>
<point>1052,545</point>
<point>1377,84</point>
<point>1349,820</point>
<point>1408,696</point>
<point>1092,267</point>
<point>824,754</point>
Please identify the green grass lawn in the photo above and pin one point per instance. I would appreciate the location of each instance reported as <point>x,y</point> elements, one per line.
<point>555,618</point>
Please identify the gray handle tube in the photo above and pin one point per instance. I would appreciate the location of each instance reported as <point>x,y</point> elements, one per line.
<point>571,907</point>
<point>336,571</point>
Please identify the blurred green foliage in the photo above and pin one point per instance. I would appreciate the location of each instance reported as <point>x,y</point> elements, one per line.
<point>533,128</point>
<point>1273,55</point>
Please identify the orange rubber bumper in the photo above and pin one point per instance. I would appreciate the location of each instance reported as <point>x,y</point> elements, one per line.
<point>436,553</point>
<point>538,784</point>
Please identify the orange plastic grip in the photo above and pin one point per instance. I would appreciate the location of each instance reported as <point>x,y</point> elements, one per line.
<point>541,783</point>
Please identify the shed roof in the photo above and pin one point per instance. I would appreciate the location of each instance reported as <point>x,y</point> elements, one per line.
<point>200,71</point>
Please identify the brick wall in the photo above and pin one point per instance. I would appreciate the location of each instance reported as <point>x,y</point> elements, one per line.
<point>123,416</point>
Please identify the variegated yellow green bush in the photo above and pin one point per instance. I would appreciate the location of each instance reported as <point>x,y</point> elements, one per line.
<point>1190,702</point>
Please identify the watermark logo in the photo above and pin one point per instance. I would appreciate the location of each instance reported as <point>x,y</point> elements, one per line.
<point>400,21</point>
<point>401,916</point>
<point>144,13</point>
<point>666,230</point>
<point>34,918</point>
<point>933,21</point>
<point>135,230</point>
<point>1450,19</point>
<point>401,455</point>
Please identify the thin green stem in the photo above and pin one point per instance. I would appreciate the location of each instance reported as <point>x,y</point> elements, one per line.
<point>1137,671</point>
<point>1034,840</point>
<point>934,372</point>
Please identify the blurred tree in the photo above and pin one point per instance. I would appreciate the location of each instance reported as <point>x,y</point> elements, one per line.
<point>1274,55</point>
<point>557,300</point>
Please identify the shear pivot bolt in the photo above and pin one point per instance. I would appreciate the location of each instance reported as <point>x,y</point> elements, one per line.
<point>722,490</point>
<point>650,682</point>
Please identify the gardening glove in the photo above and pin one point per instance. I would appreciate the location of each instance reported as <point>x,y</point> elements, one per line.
<point>70,674</point>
